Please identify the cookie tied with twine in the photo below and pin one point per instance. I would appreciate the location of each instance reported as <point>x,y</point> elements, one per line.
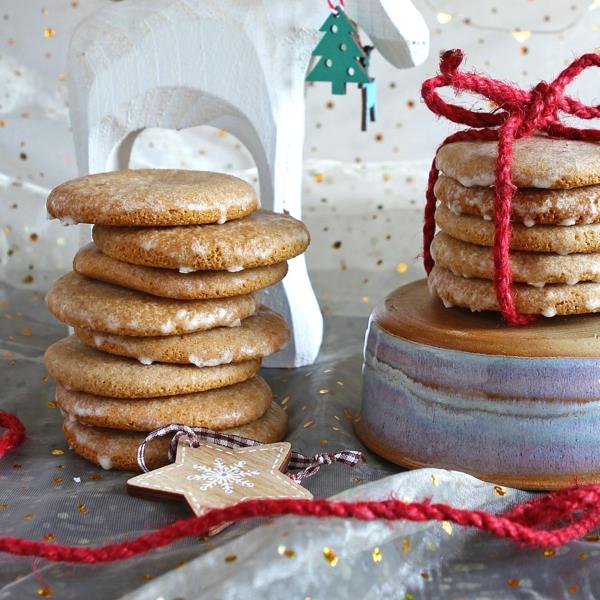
<point>519,114</point>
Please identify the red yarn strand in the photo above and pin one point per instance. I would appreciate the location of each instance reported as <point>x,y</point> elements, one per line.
<point>567,515</point>
<point>518,525</point>
<point>14,434</point>
<point>519,114</point>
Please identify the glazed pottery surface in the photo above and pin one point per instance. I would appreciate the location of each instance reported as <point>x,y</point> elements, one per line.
<point>496,406</point>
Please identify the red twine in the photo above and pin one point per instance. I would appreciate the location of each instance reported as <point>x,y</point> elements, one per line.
<point>520,114</point>
<point>547,521</point>
<point>14,434</point>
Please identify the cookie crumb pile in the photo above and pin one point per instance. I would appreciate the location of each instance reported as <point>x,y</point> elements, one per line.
<point>555,214</point>
<point>165,306</point>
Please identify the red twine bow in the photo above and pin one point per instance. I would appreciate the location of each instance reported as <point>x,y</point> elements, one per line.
<point>520,114</point>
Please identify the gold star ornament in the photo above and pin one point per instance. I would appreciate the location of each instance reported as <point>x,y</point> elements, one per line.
<point>211,476</point>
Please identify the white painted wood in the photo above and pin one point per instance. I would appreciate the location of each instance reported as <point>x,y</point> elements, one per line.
<point>238,65</point>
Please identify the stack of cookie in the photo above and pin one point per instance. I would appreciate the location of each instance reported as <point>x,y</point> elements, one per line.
<point>555,241</point>
<point>168,326</point>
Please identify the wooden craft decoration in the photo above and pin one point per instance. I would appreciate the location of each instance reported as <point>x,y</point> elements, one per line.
<point>211,476</point>
<point>183,63</point>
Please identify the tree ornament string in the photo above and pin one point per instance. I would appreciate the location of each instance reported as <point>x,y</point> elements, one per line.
<point>547,521</point>
<point>520,114</point>
<point>333,6</point>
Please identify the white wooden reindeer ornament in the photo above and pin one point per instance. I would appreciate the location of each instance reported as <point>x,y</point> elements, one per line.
<point>238,65</point>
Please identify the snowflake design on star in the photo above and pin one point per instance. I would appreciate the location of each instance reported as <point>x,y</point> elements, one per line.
<point>222,475</point>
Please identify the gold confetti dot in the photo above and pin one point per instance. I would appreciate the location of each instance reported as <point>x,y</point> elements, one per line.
<point>592,538</point>
<point>447,527</point>
<point>49,537</point>
<point>17,466</point>
<point>548,552</point>
<point>513,583</point>
<point>44,377</point>
<point>12,363</point>
<point>7,353</point>
<point>49,32</point>
<point>425,575</point>
<point>402,267</point>
<point>521,35</point>
<point>96,477</point>
<point>330,556</point>
<point>572,589</point>
<point>376,554</point>
<point>365,299</point>
<point>44,592</point>
<point>34,237</point>
<point>285,551</point>
<point>444,17</point>
<point>582,556</point>
<point>406,545</point>
<point>57,480</point>
<point>409,596</point>
<point>51,404</point>
<point>500,490</point>
<point>338,382</point>
<point>3,506</point>
<point>147,577</point>
<point>57,452</point>
<point>524,50</point>
<point>3,122</point>
<point>230,558</point>
<point>180,564</point>
<point>308,424</point>
<point>82,508</point>
<point>27,517</point>
<point>410,104</point>
<point>435,480</point>
<point>323,391</point>
<point>386,177</point>
<point>336,245</point>
<point>285,400</point>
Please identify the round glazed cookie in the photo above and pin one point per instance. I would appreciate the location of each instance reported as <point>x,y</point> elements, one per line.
<point>167,283</point>
<point>78,367</point>
<point>542,238</point>
<point>117,449</point>
<point>217,409</point>
<point>260,335</point>
<point>538,162</point>
<point>534,268</point>
<point>529,206</point>
<point>263,238</point>
<point>479,295</point>
<point>152,197</point>
<point>82,302</point>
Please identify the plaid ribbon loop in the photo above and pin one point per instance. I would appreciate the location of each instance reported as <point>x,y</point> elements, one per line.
<point>306,466</point>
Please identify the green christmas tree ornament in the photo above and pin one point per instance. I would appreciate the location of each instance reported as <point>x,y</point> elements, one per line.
<point>340,53</point>
<point>343,60</point>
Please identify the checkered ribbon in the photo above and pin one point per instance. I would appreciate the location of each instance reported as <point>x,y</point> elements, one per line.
<point>305,466</point>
